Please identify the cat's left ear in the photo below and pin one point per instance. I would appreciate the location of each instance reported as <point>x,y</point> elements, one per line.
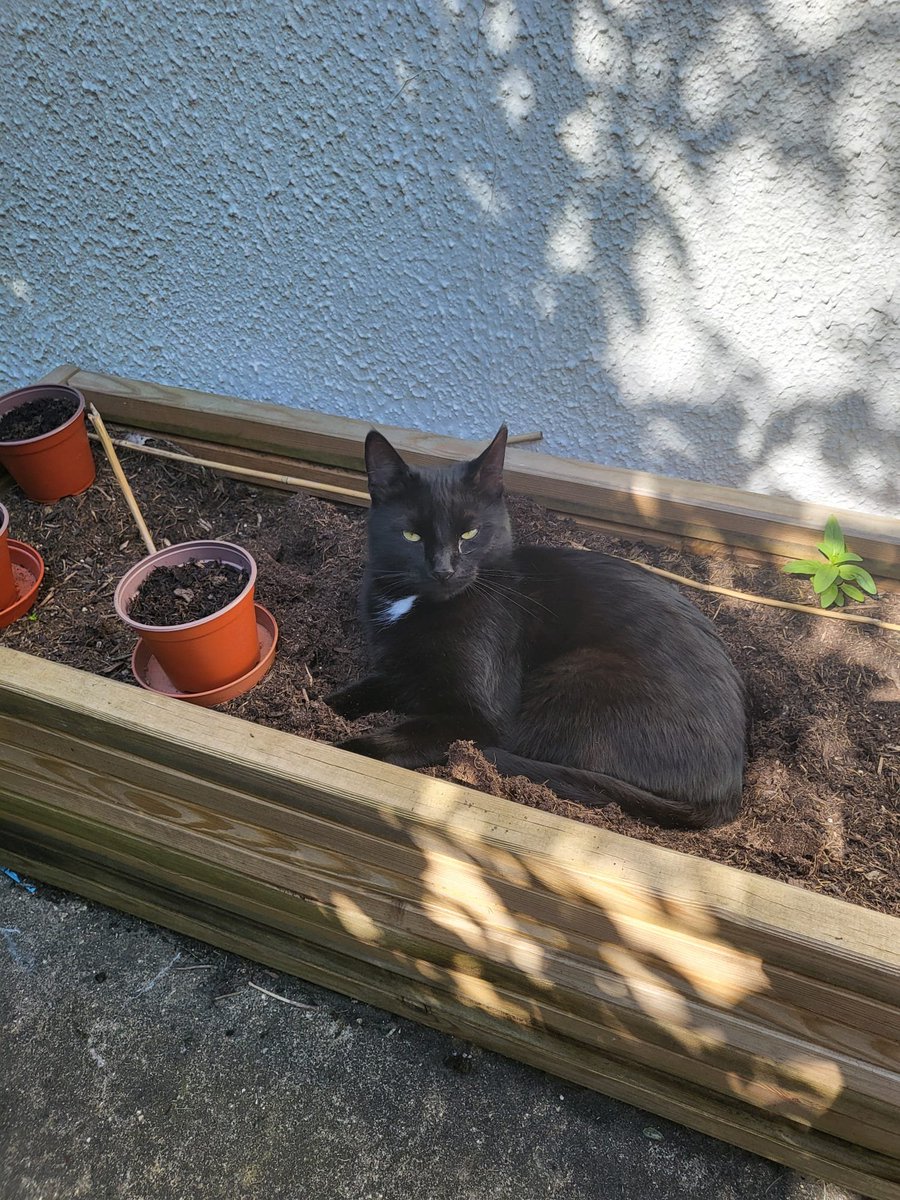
<point>486,471</point>
<point>388,473</point>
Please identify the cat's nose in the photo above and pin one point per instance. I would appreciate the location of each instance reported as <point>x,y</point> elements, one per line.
<point>442,573</point>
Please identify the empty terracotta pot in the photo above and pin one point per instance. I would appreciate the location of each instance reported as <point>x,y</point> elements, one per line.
<point>55,464</point>
<point>198,655</point>
<point>9,593</point>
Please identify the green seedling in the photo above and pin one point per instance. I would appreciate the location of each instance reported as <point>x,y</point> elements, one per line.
<point>836,579</point>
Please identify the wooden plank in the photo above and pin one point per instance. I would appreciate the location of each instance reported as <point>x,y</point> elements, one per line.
<point>649,1006</point>
<point>799,1083</point>
<point>688,509</point>
<point>872,1174</point>
<point>138,796</point>
<point>839,943</point>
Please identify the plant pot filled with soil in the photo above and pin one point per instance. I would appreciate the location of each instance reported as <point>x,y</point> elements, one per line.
<point>44,443</point>
<point>21,572</point>
<point>202,636</point>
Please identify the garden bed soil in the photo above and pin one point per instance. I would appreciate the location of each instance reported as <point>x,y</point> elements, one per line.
<point>189,592</point>
<point>36,417</point>
<point>822,795</point>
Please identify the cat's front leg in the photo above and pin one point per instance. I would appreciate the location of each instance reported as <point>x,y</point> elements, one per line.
<point>367,695</point>
<point>420,741</point>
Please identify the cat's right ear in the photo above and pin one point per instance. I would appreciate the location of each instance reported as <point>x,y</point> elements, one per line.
<point>388,473</point>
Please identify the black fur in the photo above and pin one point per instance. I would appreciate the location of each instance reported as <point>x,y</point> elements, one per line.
<point>572,668</point>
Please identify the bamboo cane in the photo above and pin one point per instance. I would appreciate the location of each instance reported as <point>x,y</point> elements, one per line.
<point>106,441</point>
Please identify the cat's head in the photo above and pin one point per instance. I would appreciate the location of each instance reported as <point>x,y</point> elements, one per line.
<point>431,530</point>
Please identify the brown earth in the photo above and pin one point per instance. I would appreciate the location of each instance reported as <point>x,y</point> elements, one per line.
<point>822,795</point>
<point>36,417</point>
<point>188,592</point>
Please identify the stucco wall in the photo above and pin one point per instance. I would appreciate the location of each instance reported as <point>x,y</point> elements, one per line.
<point>664,233</point>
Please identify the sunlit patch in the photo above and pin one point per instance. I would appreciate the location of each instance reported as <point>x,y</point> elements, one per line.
<point>599,51</point>
<point>407,79</point>
<point>500,26</point>
<point>570,249</point>
<point>489,198</point>
<point>515,95</point>
<point>802,1087</point>
<point>17,288</point>
<point>546,298</point>
<point>354,920</point>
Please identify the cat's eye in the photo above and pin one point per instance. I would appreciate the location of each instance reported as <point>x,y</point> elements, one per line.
<point>468,535</point>
<point>410,536</point>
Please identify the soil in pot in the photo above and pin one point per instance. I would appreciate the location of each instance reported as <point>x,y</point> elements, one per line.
<point>822,796</point>
<point>36,417</point>
<point>177,595</point>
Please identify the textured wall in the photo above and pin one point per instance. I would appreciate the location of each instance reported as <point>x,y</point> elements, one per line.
<point>664,233</point>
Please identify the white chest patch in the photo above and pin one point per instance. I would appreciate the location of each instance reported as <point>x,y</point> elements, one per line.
<point>398,609</point>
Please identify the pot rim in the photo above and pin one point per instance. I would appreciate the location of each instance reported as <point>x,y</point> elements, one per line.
<point>150,561</point>
<point>4,520</point>
<point>47,388</point>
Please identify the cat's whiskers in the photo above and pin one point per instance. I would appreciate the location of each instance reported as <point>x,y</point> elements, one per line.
<point>492,590</point>
<point>512,594</point>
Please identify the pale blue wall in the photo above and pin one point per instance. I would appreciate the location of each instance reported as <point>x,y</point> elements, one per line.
<point>664,233</point>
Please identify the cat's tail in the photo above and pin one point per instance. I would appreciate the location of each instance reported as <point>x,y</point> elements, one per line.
<point>595,788</point>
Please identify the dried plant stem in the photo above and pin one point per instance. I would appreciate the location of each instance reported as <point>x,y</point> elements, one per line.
<point>752,599</point>
<point>244,472</point>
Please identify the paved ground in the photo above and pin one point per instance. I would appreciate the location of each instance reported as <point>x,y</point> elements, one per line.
<point>139,1065</point>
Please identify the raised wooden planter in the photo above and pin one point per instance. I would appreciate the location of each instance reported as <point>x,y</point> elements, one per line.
<point>758,1012</point>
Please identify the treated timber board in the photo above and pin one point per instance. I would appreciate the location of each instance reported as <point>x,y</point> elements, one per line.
<point>839,943</point>
<point>159,803</point>
<point>649,1006</point>
<point>684,508</point>
<point>794,1087</point>
<point>873,1175</point>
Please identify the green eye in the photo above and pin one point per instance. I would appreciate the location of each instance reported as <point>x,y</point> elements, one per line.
<point>469,534</point>
<point>411,537</point>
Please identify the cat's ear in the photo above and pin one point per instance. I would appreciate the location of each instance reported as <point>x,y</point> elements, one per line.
<point>486,471</point>
<point>388,473</point>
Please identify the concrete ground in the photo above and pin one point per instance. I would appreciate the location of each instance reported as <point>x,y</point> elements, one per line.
<point>139,1065</point>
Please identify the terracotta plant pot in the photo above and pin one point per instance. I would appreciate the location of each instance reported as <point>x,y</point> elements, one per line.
<point>56,464</point>
<point>21,572</point>
<point>203,655</point>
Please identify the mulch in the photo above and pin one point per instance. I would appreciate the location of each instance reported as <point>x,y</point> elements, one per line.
<point>822,795</point>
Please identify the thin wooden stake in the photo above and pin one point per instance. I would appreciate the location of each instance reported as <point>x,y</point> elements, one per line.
<point>97,422</point>
<point>516,439</point>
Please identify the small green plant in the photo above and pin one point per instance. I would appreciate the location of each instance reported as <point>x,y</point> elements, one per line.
<point>837,579</point>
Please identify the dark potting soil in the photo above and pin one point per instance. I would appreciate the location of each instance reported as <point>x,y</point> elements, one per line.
<point>822,796</point>
<point>189,592</point>
<point>36,417</point>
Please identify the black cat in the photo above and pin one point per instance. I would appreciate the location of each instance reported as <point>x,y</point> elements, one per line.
<point>572,668</point>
